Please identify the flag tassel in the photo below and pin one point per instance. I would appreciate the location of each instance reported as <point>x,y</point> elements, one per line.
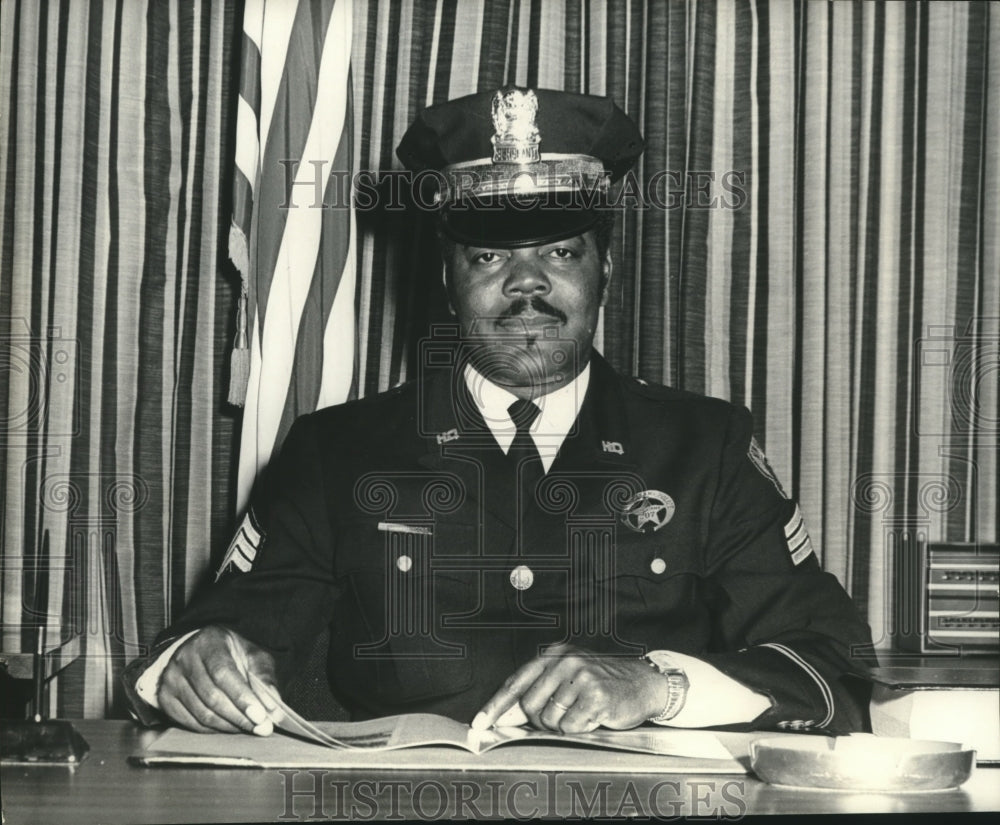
<point>239,359</point>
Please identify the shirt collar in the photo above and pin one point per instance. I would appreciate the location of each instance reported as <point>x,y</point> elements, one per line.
<point>559,410</point>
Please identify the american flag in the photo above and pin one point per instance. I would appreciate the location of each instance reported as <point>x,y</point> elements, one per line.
<point>295,341</point>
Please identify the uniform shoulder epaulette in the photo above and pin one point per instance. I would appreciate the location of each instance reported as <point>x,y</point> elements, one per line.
<point>661,392</point>
<point>368,401</point>
<point>397,390</point>
<point>648,389</point>
<point>392,392</point>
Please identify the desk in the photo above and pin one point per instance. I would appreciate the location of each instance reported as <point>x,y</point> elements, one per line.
<point>104,788</point>
<point>968,672</point>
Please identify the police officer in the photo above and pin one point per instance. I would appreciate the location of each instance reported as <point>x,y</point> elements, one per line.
<point>522,535</point>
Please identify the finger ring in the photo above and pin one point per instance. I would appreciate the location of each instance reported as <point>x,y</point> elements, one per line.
<point>559,705</point>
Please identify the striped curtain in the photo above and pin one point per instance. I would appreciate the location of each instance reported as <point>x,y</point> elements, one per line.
<point>829,257</point>
<point>115,317</point>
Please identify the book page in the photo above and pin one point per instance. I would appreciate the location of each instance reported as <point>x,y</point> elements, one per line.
<point>405,731</point>
<point>658,740</point>
<point>290,721</point>
<point>417,729</point>
<point>386,733</point>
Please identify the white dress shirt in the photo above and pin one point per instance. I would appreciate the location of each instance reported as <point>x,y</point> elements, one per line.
<point>559,409</point>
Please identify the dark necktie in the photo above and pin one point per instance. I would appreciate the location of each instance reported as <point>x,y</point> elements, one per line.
<point>525,464</point>
<point>523,452</point>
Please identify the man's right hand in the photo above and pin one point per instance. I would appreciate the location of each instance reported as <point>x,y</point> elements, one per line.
<point>206,685</point>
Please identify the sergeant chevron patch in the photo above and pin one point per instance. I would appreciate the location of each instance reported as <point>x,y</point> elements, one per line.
<point>756,455</point>
<point>244,547</point>
<point>799,543</point>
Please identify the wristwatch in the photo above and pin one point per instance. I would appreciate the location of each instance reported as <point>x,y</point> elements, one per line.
<point>677,685</point>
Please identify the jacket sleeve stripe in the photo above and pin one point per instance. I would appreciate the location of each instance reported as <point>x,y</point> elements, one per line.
<point>808,668</point>
<point>793,537</point>
<point>794,523</point>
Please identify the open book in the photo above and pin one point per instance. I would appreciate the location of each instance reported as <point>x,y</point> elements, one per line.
<point>418,729</point>
<point>414,742</point>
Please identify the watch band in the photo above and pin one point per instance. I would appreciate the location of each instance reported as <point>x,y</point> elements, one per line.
<point>677,687</point>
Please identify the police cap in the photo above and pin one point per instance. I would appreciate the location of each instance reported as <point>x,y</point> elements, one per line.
<point>521,167</point>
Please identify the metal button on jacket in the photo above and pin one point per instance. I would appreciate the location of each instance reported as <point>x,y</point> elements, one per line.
<point>521,577</point>
<point>404,563</point>
<point>657,565</point>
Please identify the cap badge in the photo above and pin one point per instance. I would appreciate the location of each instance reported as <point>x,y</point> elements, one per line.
<point>648,511</point>
<point>515,136</point>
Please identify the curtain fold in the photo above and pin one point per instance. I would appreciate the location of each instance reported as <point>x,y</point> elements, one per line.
<point>116,314</point>
<point>821,244</point>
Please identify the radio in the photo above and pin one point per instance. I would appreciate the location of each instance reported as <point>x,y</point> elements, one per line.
<point>957,588</point>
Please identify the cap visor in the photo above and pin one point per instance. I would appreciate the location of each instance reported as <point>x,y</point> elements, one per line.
<point>509,225</point>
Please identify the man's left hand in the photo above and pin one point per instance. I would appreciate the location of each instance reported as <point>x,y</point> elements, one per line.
<point>573,690</point>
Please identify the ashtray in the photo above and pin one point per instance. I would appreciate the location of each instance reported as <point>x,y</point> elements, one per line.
<point>861,762</point>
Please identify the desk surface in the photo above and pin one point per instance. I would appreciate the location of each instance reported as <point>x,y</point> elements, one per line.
<point>938,672</point>
<point>106,789</point>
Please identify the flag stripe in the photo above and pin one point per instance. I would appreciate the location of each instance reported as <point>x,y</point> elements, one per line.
<point>300,249</point>
<point>283,155</point>
<point>331,259</point>
<point>297,249</point>
<point>250,74</point>
<point>276,23</point>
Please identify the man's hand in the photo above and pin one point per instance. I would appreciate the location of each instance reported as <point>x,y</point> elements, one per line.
<point>573,690</point>
<point>206,685</point>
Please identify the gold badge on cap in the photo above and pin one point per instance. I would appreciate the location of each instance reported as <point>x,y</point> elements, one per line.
<point>515,138</point>
<point>648,511</point>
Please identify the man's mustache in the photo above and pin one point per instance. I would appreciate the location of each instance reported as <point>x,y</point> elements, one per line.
<point>521,305</point>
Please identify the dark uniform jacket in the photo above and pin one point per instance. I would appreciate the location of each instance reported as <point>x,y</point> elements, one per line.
<point>398,521</point>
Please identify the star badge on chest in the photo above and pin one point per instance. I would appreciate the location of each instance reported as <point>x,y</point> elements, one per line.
<point>647,511</point>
